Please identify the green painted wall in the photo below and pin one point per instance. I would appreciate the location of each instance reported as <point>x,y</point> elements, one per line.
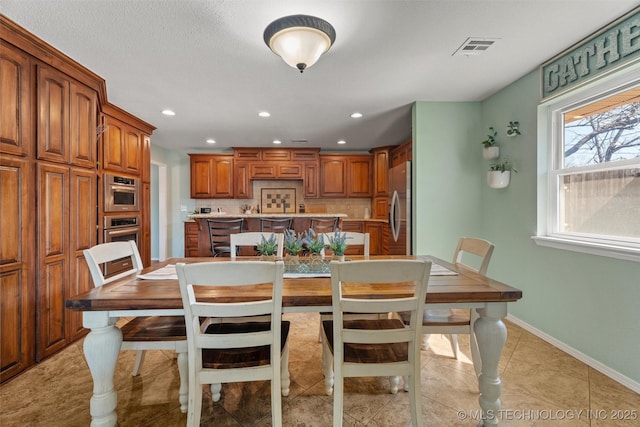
<point>447,175</point>
<point>588,302</point>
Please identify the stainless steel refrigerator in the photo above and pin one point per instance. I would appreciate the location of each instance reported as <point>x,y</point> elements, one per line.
<point>400,210</point>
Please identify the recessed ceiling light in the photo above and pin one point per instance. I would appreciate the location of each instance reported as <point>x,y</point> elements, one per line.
<point>342,141</point>
<point>211,141</point>
<point>277,141</point>
<point>264,114</point>
<point>168,112</point>
<point>356,115</point>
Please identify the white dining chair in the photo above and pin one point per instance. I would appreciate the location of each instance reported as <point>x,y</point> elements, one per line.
<point>239,351</point>
<point>252,238</point>
<point>353,239</point>
<point>374,347</point>
<point>143,332</point>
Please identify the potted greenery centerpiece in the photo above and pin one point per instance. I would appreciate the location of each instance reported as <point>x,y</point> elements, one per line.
<point>293,245</point>
<point>499,174</point>
<point>267,248</point>
<point>338,244</point>
<point>491,149</point>
<point>314,243</point>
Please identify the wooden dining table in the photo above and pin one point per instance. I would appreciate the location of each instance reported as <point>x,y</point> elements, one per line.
<point>454,287</point>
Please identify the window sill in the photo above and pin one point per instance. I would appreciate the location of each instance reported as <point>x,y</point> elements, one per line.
<point>600,249</point>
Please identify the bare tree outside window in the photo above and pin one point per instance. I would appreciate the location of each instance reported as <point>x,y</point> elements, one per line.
<point>602,200</point>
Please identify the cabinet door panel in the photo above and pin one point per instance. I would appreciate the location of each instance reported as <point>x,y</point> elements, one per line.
<point>84,117</point>
<point>53,115</point>
<point>53,257</point>
<point>83,235</point>
<point>311,180</point>
<point>263,170</point>
<point>17,289</point>
<point>359,184</point>
<point>201,177</point>
<point>133,149</point>
<point>223,185</point>
<point>333,177</point>
<point>15,102</point>
<point>113,144</point>
<point>290,171</point>
<point>242,182</point>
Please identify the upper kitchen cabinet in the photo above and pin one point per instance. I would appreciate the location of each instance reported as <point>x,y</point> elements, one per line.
<point>123,141</point>
<point>380,202</point>
<point>347,175</point>
<point>67,119</point>
<point>212,176</point>
<point>401,153</point>
<point>15,102</point>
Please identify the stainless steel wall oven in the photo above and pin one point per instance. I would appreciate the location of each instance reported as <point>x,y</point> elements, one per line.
<point>121,193</point>
<point>120,229</point>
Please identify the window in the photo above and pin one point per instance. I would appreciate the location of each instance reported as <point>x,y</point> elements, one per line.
<point>592,198</point>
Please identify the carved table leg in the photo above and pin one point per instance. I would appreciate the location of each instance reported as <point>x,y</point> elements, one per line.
<point>491,335</point>
<point>101,348</point>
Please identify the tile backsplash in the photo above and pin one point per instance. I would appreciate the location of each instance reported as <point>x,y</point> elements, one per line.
<point>354,208</point>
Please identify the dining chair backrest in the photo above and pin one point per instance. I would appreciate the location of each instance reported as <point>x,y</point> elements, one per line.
<point>275,225</point>
<point>362,348</point>
<point>111,251</point>
<point>353,239</point>
<point>324,225</point>
<point>482,249</point>
<point>219,231</point>
<point>252,238</point>
<point>225,274</point>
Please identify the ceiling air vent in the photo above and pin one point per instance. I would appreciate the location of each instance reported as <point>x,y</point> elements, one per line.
<point>474,46</point>
<point>299,141</point>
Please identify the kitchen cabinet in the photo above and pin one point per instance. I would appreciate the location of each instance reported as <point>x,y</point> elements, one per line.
<point>310,184</point>
<point>191,239</point>
<point>122,147</point>
<point>17,263</point>
<point>376,235</point>
<point>345,175</point>
<point>15,102</point>
<point>66,224</point>
<point>211,176</point>
<point>401,153</point>
<point>380,201</point>
<point>242,181</point>
<point>49,115</point>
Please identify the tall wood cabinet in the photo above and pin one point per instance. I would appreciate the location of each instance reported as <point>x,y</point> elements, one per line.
<point>49,174</point>
<point>346,175</point>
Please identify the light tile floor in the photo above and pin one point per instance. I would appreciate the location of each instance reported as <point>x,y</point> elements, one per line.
<point>542,386</point>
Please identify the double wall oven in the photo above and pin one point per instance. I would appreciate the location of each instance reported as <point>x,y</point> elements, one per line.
<point>122,220</point>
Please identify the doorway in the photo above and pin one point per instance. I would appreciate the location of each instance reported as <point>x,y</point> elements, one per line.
<point>158,205</point>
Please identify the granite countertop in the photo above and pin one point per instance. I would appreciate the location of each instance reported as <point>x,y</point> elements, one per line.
<point>266,215</point>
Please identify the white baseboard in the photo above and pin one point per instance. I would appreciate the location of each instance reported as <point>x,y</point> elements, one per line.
<point>598,366</point>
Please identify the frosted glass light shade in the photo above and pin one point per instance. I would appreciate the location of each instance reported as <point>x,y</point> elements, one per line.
<point>299,40</point>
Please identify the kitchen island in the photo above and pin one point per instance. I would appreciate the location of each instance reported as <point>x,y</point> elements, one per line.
<point>197,242</point>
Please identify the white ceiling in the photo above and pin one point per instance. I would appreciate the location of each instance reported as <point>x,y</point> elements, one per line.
<point>207,61</point>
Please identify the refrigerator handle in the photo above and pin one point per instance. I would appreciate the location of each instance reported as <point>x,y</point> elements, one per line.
<point>394,213</point>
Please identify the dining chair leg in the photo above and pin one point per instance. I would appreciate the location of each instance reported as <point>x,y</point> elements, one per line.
<point>195,411</point>
<point>327,368</point>
<point>338,400</point>
<point>183,369</point>
<point>276,397</point>
<point>395,381</point>
<point>284,370</point>
<point>425,341</point>
<point>415,397</point>
<point>138,364</point>
<point>453,339</point>
<point>215,391</point>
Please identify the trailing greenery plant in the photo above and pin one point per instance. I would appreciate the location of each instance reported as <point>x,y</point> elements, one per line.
<point>502,166</point>
<point>491,138</point>
<point>338,243</point>
<point>513,128</point>
<point>292,243</point>
<point>267,247</point>
<point>313,241</point>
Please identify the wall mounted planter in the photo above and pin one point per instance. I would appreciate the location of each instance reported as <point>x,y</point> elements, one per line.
<point>498,179</point>
<point>490,153</point>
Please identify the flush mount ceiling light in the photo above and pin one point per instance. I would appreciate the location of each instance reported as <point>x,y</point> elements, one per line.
<point>299,40</point>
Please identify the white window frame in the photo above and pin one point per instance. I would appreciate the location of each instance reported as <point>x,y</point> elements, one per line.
<point>550,156</point>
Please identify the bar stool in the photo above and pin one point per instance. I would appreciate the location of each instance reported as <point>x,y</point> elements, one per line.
<point>275,225</point>
<point>219,231</point>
